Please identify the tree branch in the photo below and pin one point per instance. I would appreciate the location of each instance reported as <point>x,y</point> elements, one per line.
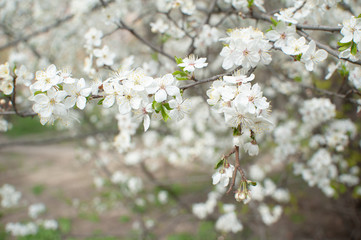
<point>122,25</point>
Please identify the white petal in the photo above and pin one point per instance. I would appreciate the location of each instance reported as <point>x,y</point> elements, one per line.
<point>146,122</point>
<point>160,96</point>
<point>172,90</point>
<point>81,102</point>
<point>108,101</point>
<point>85,92</point>
<point>70,102</point>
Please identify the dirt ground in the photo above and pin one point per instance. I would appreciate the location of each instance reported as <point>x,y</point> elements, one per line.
<point>55,168</point>
<point>64,181</point>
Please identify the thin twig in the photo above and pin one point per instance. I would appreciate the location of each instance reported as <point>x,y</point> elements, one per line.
<point>326,48</point>
<point>122,25</point>
<point>236,166</point>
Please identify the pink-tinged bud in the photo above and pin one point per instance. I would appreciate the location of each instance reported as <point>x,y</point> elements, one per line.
<point>240,196</point>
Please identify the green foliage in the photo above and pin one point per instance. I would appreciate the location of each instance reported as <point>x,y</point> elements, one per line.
<point>43,234</point>
<point>26,126</point>
<point>178,61</point>
<point>101,101</point>
<point>90,216</point>
<point>344,46</point>
<point>274,22</point>
<point>124,219</point>
<point>64,225</point>
<point>180,236</point>
<point>298,79</point>
<point>163,108</point>
<point>180,75</point>
<point>206,231</point>
<point>219,163</point>
<point>298,57</point>
<point>343,71</point>
<point>354,49</point>
<point>250,3</point>
<point>38,189</point>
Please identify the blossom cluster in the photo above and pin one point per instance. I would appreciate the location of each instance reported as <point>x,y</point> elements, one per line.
<point>350,44</point>
<point>244,108</point>
<point>284,38</point>
<point>10,197</point>
<point>246,47</point>
<point>55,92</point>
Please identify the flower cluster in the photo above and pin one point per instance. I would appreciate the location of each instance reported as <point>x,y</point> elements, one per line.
<point>350,44</point>
<point>10,197</point>
<point>55,92</point>
<point>228,222</point>
<point>244,107</point>
<point>317,111</point>
<point>6,80</point>
<point>284,38</point>
<point>246,47</point>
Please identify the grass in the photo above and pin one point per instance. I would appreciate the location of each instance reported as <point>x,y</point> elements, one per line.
<point>27,126</point>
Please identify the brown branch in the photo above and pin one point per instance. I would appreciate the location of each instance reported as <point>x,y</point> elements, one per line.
<point>214,78</point>
<point>122,25</point>
<point>37,32</point>
<point>153,179</point>
<point>326,48</point>
<point>236,167</point>
<point>45,29</point>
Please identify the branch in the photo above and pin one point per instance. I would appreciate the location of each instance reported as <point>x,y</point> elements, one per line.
<point>37,32</point>
<point>153,179</point>
<point>236,166</point>
<point>267,18</point>
<point>214,78</point>
<point>45,29</point>
<point>326,48</point>
<point>122,25</point>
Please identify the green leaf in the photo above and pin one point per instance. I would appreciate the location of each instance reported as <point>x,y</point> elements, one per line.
<point>38,92</point>
<point>298,79</point>
<point>298,57</point>
<point>253,183</point>
<point>156,106</point>
<point>354,49</point>
<point>64,225</point>
<point>343,71</point>
<point>180,73</point>
<point>219,163</point>
<point>274,22</point>
<point>237,131</point>
<point>166,105</point>
<point>344,44</point>
<point>155,56</point>
<point>178,60</point>
<point>182,78</point>
<point>164,113</point>
<point>101,101</point>
<point>250,3</point>
<point>38,189</point>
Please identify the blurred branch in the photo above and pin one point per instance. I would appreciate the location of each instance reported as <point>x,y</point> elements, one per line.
<point>46,29</point>
<point>122,25</point>
<point>214,78</point>
<point>300,31</point>
<point>154,180</point>
<point>26,38</point>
